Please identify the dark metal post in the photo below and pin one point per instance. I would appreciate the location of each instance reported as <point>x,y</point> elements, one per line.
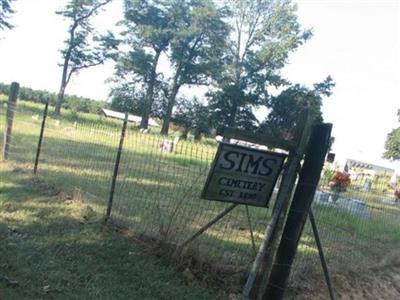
<point>39,147</point>
<point>253,243</point>
<point>116,167</point>
<point>321,255</point>
<point>299,209</point>
<point>259,273</point>
<point>11,107</point>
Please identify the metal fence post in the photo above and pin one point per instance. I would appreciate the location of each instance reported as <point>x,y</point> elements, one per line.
<point>12,105</point>
<point>39,146</point>
<point>299,210</point>
<point>321,255</point>
<point>116,167</point>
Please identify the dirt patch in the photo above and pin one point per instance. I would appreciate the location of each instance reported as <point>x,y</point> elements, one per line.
<point>44,186</point>
<point>381,281</point>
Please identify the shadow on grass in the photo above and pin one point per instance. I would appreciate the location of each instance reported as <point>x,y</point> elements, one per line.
<point>53,248</point>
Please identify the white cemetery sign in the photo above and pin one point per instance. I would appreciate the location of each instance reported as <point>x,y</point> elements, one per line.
<point>243,175</point>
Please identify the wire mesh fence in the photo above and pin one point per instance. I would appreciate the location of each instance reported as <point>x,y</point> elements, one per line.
<point>3,110</point>
<point>157,194</point>
<point>359,228</point>
<point>24,136</point>
<point>79,156</point>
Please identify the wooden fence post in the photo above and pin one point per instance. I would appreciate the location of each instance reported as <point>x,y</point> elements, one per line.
<point>262,263</point>
<point>261,267</point>
<point>11,107</point>
<point>299,210</point>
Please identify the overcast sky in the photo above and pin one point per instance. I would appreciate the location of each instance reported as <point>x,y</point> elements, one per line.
<point>357,42</point>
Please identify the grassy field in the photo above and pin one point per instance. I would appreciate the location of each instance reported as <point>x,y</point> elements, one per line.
<point>157,193</point>
<point>54,247</point>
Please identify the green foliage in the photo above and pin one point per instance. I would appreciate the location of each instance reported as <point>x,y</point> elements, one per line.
<point>81,104</point>
<point>148,23</point>
<point>222,107</point>
<point>198,42</point>
<point>238,47</point>
<point>84,47</point>
<point>288,105</point>
<point>392,145</point>
<point>147,33</point>
<point>191,33</point>
<point>75,103</point>
<point>125,98</point>
<point>263,34</point>
<point>327,176</point>
<point>196,48</point>
<point>239,50</point>
<point>193,116</point>
<point>5,11</point>
<point>130,98</point>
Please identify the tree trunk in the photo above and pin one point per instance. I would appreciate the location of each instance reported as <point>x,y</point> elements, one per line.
<point>232,116</point>
<point>184,134</point>
<point>171,103</point>
<point>231,120</point>
<point>144,123</point>
<point>197,135</point>
<point>60,99</point>
<point>65,76</point>
<point>64,81</point>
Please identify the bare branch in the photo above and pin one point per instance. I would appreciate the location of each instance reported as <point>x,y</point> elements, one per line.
<point>93,10</point>
<point>252,29</point>
<point>86,66</point>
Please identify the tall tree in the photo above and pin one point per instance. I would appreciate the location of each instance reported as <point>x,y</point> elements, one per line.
<point>5,11</point>
<point>130,97</point>
<point>220,103</point>
<point>126,98</point>
<point>196,48</point>
<point>264,33</point>
<point>193,116</point>
<point>84,47</point>
<point>148,34</point>
<point>286,108</point>
<point>392,144</point>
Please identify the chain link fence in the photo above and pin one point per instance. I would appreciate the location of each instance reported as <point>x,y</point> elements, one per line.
<point>157,196</point>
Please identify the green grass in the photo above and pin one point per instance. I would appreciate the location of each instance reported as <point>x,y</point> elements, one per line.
<point>53,247</point>
<point>157,194</point>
